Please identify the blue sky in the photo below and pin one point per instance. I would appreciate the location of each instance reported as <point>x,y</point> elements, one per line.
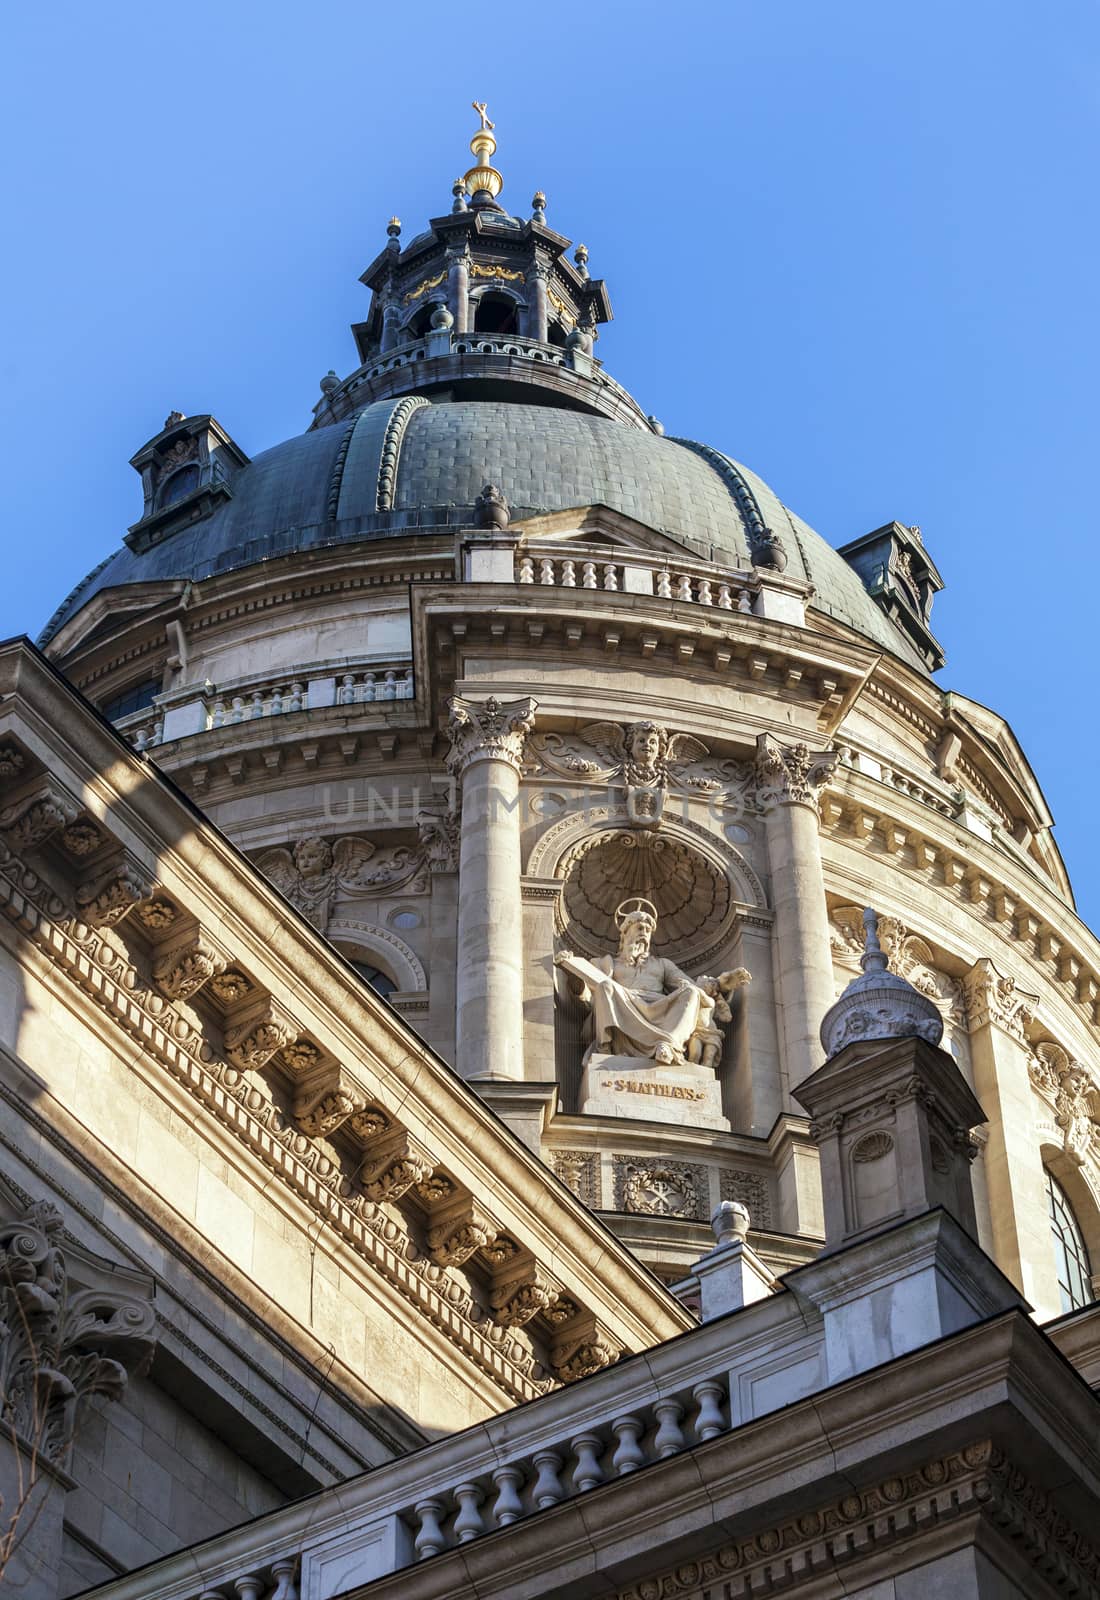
<point>853,244</point>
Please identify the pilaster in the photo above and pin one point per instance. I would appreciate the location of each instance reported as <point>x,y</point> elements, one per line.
<point>997,1014</point>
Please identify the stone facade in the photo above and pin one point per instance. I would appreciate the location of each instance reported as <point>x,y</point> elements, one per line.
<point>478,661</point>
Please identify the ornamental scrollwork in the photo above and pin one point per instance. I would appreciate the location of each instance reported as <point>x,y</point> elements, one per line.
<point>311,872</point>
<point>60,1345</point>
<point>1067,1086</point>
<point>907,954</point>
<point>992,997</point>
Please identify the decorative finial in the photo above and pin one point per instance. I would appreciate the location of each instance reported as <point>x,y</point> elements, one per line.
<point>393,229</point>
<point>458,189</point>
<point>730,1220</point>
<point>483,181</point>
<point>580,256</point>
<point>874,957</point>
<point>879,1004</point>
<point>172,418</point>
<point>329,382</point>
<point>538,206</point>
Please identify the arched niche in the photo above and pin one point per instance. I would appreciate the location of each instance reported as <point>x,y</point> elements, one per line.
<point>699,883</point>
<point>382,948</point>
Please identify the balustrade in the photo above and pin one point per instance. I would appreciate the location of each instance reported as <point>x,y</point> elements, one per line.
<point>276,697</point>
<point>692,588</point>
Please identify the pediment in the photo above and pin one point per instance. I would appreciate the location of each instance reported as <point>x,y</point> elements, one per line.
<point>118,604</point>
<point>599,524</point>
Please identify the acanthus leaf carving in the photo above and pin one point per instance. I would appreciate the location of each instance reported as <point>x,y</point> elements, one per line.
<point>1073,1096</point>
<point>29,822</point>
<point>182,971</point>
<point>311,872</point>
<point>106,900</point>
<point>488,730</point>
<point>991,997</point>
<point>59,1345</point>
<point>785,775</point>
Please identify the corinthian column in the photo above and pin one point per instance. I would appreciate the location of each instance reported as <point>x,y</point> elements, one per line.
<point>788,779</point>
<point>487,740</point>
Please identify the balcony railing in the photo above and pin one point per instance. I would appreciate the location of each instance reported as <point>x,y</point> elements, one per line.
<point>693,583</point>
<point>183,713</point>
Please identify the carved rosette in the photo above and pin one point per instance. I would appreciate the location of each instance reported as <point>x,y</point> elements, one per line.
<point>789,775</point>
<point>58,1346</point>
<point>488,730</point>
<point>993,998</point>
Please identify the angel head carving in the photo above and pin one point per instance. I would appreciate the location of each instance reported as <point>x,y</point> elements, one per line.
<point>312,858</point>
<point>646,750</point>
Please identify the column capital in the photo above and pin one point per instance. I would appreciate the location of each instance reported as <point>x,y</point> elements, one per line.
<point>789,774</point>
<point>993,998</point>
<point>488,730</point>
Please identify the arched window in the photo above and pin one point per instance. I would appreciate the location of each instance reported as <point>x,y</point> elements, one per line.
<point>495,313</point>
<point>179,484</point>
<point>1070,1255</point>
<point>380,981</point>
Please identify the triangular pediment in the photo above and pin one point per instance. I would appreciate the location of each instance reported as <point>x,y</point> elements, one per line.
<point>113,605</point>
<point>600,524</point>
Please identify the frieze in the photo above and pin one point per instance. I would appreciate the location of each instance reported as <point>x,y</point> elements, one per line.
<point>977,1481</point>
<point>579,1170</point>
<point>656,1187</point>
<point>751,1189</point>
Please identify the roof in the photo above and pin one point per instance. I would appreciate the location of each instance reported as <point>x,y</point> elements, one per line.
<point>337,484</point>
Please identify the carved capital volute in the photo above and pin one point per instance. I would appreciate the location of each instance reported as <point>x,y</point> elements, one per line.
<point>789,775</point>
<point>488,730</point>
<point>992,998</point>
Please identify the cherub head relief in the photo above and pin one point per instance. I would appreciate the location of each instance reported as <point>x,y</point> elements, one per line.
<point>646,747</point>
<point>312,857</point>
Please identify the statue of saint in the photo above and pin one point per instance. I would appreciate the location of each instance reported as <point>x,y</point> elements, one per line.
<point>643,1006</point>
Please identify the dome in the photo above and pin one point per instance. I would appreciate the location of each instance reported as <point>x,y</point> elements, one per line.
<point>337,484</point>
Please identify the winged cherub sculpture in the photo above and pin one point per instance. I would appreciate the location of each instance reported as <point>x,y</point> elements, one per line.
<point>644,756</point>
<point>310,872</point>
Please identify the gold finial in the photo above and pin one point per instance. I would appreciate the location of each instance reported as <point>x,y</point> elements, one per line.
<point>483,178</point>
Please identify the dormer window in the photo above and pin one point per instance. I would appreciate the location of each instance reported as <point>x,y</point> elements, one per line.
<point>186,471</point>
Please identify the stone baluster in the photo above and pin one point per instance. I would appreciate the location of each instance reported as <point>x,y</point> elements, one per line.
<point>277,702</point>
<point>285,1573</point>
<point>709,1419</point>
<point>297,694</point>
<point>389,685</point>
<point>345,695</point>
<point>787,781</point>
<point>158,730</point>
<point>256,709</point>
<point>725,597</point>
<point>526,570</point>
<point>683,587</point>
<point>508,1507</point>
<point>628,1455</point>
<point>588,575</point>
<point>704,596</point>
<point>217,719</point>
<point>611,577</point>
<point>569,575</point>
<point>669,1437</point>
<point>588,1448</point>
<point>548,1489</point>
<point>407,685</point>
<point>430,1538</point>
<point>250,1587</point>
<point>546,571</point>
<point>744,602</point>
<point>487,740</point>
<point>140,738</point>
<point>468,1523</point>
<point>366,692</point>
<point>664,584</point>
<point>238,709</point>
